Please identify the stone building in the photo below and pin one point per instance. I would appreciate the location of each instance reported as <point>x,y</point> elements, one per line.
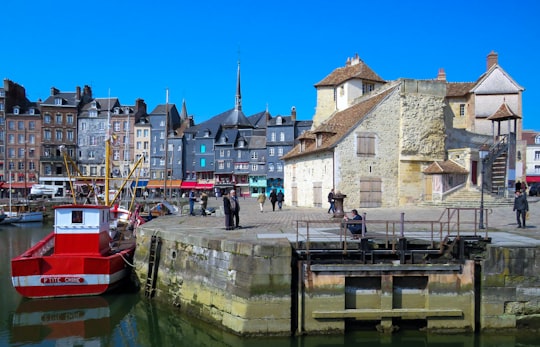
<point>407,141</point>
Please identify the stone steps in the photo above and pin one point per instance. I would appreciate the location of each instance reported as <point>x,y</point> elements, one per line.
<point>471,198</point>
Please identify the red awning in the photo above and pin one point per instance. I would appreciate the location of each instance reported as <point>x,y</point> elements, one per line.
<point>17,185</point>
<point>205,186</point>
<point>189,185</point>
<point>533,179</point>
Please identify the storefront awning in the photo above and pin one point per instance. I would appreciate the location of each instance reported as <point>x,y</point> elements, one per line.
<point>205,186</point>
<point>189,185</point>
<point>161,184</point>
<point>17,185</point>
<point>533,179</point>
<point>140,184</point>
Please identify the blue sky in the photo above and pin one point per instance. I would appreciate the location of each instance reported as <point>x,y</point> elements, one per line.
<point>139,49</point>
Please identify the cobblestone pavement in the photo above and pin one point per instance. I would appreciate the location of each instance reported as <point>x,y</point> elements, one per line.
<point>501,221</point>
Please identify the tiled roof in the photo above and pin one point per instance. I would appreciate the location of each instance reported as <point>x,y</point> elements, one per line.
<point>337,126</point>
<point>529,137</point>
<point>358,70</point>
<point>454,89</point>
<point>445,167</point>
<point>503,113</point>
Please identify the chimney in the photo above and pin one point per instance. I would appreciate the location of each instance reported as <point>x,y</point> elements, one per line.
<point>54,91</point>
<point>492,59</point>
<point>293,114</point>
<point>78,91</point>
<point>441,76</point>
<point>140,106</point>
<point>87,91</point>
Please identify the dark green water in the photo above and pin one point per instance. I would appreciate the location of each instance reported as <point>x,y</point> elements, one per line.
<point>132,320</point>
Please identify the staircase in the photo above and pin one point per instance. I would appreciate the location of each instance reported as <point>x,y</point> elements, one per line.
<point>470,198</point>
<point>498,174</point>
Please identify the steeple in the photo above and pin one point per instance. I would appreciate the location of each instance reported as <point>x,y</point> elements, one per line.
<point>183,112</point>
<point>238,99</point>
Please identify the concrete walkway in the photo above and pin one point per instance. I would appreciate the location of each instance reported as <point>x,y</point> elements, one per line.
<point>256,226</point>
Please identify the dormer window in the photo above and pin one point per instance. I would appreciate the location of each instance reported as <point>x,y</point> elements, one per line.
<point>92,113</point>
<point>241,143</point>
<point>58,101</point>
<point>223,139</point>
<point>31,111</point>
<point>207,133</point>
<point>116,110</point>
<point>537,140</point>
<point>279,120</point>
<point>16,110</point>
<point>319,140</point>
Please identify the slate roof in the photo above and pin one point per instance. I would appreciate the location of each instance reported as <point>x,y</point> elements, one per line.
<point>338,125</point>
<point>445,167</point>
<point>68,99</point>
<point>358,70</point>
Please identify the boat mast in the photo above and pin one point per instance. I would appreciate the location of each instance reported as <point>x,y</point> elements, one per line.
<point>108,151</point>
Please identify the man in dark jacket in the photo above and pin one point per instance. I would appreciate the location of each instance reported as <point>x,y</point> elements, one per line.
<point>521,206</point>
<point>280,198</point>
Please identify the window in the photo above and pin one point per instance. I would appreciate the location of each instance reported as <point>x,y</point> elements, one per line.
<point>32,139</point>
<point>536,155</point>
<point>279,167</point>
<point>365,145</point>
<point>139,132</point>
<point>203,148</point>
<point>271,151</point>
<point>537,140</point>
<point>16,110</point>
<point>91,155</point>
<point>145,132</point>
<point>221,153</point>
<point>59,135</point>
<point>92,140</point>
<point>58,101</point>
<point>279,120</point>
<point>282,136</point>
<point>280,151</point>
<point>367,87</point>
<point>20,139</point>
<point>69,119</point>
<point>47,119</point>
<point>69,135</point>
<point>31,125</point>
<point>76,217</point>
<point>116,154</point>
<point>254,155</point>
<point>537,169</point>
<point>11,139</point>
<point>11,125</point>
<point>47,134</point>
<point>20,125</point>
<point>58,118</point>
<point>254,167</point>
<point>462,109</point>
<point>92,113</point>
<point>271,167</point>
<point>116,126</point>
<point>203,162</point>
<point>273,137</point>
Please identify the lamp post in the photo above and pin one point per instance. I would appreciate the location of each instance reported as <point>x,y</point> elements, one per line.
<point>482,152</point>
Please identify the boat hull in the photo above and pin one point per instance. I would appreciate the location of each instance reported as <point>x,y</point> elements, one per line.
<point>39,273</point>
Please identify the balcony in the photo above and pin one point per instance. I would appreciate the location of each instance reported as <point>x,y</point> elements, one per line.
<point>56,158</point>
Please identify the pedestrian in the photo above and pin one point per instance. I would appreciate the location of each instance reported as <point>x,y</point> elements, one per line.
<point>280,198</point>
<point>331,201</point>
<point>227,211</point>
<point>261,199</point>
<point>235,210</point>
<point>273,199</point>
<point>355,229</point>
<point>518,185</point>
<point>145,195</point>
<point>204,203</point>
<point>192,200</point>
<point>521,206</point>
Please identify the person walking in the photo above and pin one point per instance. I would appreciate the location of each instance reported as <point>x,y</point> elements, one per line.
<point>521,207</point>
<point>261,199</point>
<point>204,203</point>
<point>227,211</point>
<point>235,210</point>
<point>280,198</point>
<point>192,199</point>
<point>273,199</point>
<point>331,201</point>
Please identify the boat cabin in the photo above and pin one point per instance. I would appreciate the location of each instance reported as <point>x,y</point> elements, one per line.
<point>82,229</point>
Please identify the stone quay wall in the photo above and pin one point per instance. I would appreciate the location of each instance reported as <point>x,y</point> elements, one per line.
<point>510,289</point>
<point>241,286</point>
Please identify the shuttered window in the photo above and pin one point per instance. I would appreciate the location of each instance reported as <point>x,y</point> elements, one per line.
<point>365,145</point>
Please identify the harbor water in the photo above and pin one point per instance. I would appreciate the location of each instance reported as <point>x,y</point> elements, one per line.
<point>133,320</point>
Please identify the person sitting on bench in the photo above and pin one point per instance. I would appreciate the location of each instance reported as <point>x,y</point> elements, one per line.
<point>355,229</point>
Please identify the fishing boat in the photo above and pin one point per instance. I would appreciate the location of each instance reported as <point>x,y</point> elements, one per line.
<point>82,256</point>
<point>89,251</point>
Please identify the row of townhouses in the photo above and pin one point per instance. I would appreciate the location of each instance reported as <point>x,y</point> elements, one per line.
<point>229,151</point>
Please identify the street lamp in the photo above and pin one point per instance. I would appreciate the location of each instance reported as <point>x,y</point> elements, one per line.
<point>483,153</point>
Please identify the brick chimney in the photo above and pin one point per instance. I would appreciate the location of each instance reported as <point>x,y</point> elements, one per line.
<point>54,91</point>
<point>492,59</point>
<point>87,91</point>
<point>78,92</point>
<point>140,106</point>
<point>293,114</point>
<point>441,76</point>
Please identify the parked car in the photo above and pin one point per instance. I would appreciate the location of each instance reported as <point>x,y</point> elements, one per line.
<point>534,189</point>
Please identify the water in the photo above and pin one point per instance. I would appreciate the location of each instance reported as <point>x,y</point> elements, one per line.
<point>132,320</point>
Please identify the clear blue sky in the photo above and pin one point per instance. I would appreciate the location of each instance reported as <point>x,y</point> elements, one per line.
<point>139,49</point>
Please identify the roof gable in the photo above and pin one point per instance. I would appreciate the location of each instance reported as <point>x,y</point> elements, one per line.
<point>355,69</point>
<point>496,81</point>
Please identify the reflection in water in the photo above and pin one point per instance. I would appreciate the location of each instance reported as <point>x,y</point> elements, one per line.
<point>71,321</point>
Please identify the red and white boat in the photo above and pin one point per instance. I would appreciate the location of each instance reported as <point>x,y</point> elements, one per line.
<point>82,256</point>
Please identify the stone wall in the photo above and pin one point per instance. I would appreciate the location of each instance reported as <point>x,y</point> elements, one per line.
<point>239,286</point>
<point>510,291</point>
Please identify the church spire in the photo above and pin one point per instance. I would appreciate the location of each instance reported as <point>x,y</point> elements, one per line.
<point>238,99</point>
